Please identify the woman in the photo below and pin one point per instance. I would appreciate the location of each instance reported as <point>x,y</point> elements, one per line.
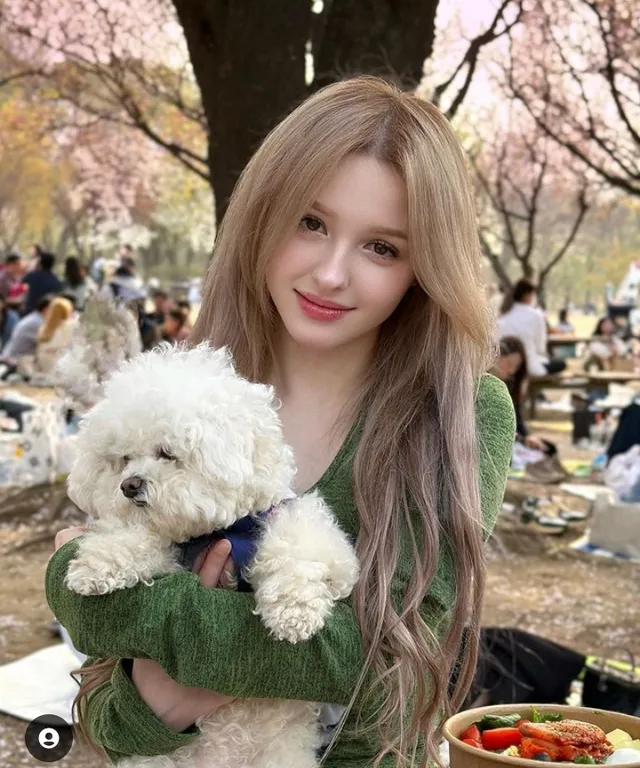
<point>522,319</point>
<point>511,367</point>
<point>346,275</point>
<point>606,346</point>
<point>54,337</point>
<point>76,282</point>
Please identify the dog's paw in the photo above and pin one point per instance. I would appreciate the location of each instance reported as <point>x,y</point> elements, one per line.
<point>96,578</point>
<point>294,617</point>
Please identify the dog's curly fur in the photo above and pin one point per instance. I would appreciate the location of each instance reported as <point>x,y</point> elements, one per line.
<point>207,448</point>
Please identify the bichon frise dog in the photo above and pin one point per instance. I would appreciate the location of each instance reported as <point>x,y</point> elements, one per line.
<point>179,447</point>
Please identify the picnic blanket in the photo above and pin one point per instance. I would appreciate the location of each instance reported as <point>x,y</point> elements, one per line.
<point>40,684</point>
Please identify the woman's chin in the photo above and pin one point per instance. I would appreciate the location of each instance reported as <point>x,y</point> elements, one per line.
<point>322,338</point>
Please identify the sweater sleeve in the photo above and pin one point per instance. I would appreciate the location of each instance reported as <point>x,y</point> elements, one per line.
<point>208,638</point>
<point>496,429</point>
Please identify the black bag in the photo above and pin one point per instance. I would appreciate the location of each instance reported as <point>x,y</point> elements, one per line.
<point>611,685</point>
<point>517,667</point>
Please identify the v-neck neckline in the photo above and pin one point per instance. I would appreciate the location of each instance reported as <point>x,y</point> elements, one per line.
<point>338,459</point>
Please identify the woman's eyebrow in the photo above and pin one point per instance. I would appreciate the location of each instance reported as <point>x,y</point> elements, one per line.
<point>391,232</point>
<point>322,209</point>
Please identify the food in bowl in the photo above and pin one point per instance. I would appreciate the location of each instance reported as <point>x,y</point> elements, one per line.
<point>549,737</point>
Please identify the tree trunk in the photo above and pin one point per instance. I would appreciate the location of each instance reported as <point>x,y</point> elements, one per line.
<point>377,37</point>
<point>248,58</point>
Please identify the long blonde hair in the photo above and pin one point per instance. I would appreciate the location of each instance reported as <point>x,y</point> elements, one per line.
<point>419,425</point>
<point>57,312</point>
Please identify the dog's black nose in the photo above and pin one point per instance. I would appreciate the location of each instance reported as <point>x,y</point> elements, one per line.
<point>132,486</point>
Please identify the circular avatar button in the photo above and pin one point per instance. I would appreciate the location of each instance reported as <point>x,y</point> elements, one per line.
<point>48,738</point>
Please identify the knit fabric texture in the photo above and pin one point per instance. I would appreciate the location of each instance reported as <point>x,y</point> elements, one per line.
<point>210,638</point>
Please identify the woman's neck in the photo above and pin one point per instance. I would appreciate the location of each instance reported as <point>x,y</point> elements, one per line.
<point>323,377</point>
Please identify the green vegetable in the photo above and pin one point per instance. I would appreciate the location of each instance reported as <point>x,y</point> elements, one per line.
<point>544,717</point>
<point>489,722</point>
<point>584,760</point>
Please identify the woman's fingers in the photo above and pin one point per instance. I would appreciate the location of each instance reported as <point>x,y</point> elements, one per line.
<point>65,535</point>
<point>214,564</point>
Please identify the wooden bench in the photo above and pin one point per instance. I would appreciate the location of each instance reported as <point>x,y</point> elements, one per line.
<point>537,384</point>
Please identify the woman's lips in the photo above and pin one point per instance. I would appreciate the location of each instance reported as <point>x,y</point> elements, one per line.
<point>319,312</point>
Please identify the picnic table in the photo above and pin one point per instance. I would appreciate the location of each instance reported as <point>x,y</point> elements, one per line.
<point>601,380</point>
<point>568,340</point>
<point>566,380</point>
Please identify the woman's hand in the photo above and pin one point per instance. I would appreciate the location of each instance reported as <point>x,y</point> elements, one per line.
<point>179,707</point>
<point>533,441</point>
<point>66,534</point>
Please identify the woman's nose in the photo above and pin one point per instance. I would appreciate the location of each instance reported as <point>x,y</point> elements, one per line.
<point>332,270</point>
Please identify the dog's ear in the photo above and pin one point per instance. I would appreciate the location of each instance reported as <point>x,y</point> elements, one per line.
<point>272,458</point>
<point>222,450</point>
<point>83,480</point>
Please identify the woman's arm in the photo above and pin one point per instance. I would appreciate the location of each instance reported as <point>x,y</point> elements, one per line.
<point>207,638</point>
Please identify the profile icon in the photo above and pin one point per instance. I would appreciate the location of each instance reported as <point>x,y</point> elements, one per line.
<point>48,738</point>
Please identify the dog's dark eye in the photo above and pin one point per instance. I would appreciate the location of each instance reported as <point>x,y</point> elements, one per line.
<point>163,453</point>
<point>126,460</point>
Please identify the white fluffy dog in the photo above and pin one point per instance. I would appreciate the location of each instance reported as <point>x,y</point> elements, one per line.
<point>179,447</point>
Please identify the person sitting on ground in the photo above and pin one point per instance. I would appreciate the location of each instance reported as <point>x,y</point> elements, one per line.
<point>511,367</point>
<point>11,275</point>
<point>606,346</point>
<point>24,337</point>
<point>522,319</point>
<point>162,304</point>
<point>77,283</point>
<point>563,326</point>
<point>41,281</point>
<point>55,334</point>
<point>170,330</point>
<point>151,322</point>
<point>125,285</point>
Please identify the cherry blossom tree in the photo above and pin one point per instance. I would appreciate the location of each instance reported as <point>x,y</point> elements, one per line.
<point>205,81</point>
<point>532,202</point>
<point>575,67</point>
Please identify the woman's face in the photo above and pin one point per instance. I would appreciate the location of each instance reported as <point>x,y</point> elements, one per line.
<point>508,365</point>
<point>171,326</point>
<point>346,268</point>
<point>607,328</point>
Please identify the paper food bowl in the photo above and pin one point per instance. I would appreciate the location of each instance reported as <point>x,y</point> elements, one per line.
<point>465,756</point>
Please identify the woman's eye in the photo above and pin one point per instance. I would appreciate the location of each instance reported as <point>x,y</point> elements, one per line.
<point>311,224</point>
<point>163,453</point>
<point>380,248</point>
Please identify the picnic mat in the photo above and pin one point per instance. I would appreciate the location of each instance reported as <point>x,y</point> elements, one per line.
<point>40,684</point>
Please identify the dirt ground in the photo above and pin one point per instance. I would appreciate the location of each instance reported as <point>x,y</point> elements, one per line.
<point>534,583</point>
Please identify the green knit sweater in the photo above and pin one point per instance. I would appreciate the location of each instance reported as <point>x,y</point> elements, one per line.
<point>210,638</point>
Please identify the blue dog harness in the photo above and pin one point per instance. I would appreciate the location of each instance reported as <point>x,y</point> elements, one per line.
<point>243,535</point>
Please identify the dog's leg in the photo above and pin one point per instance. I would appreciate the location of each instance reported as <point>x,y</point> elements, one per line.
<point>303,564</point>
<point>117,559</point>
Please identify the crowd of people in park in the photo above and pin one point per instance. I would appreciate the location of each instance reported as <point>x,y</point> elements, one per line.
<point>40,306</point>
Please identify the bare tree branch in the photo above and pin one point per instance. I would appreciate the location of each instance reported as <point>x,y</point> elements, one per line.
<point>498,28</point>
